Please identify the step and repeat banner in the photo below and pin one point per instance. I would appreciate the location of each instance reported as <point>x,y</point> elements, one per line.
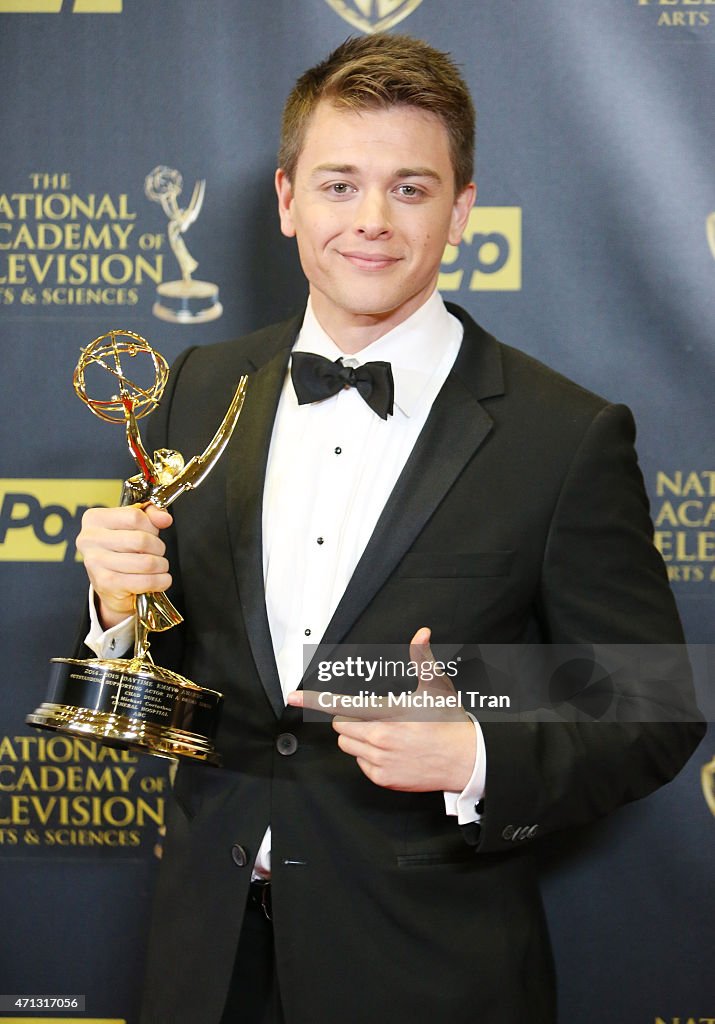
<point>139,142</point>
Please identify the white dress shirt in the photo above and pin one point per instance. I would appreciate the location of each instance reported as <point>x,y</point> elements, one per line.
<point>331,467</point>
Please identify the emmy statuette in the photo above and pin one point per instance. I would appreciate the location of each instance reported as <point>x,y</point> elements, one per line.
<point>133,702</point>
<point>185,301</point>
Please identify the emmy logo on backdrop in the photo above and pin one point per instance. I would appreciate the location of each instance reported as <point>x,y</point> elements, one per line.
<point>133,702</point>
<point>185,301</point>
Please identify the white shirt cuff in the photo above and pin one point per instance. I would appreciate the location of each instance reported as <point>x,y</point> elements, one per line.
<point>108,643</point>
<point>463,805</point>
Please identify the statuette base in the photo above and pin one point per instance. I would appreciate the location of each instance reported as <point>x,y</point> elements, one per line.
<point>187,302</point>
<point>133,704</point>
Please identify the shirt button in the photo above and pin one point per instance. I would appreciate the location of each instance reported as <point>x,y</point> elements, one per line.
<point>286,744</point>
<point>338,451</point>
<point>321,540</point>
<point>308,632</point>
<point>239,855</point>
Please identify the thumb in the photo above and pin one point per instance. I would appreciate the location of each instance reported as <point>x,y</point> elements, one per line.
<point>421,653</point>
<point>158,517</point>
<point>431,673</point>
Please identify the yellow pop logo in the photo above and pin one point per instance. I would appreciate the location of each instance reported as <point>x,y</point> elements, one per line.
<point>39,519</point>
<point>55,6</point>
<point>488,259</point>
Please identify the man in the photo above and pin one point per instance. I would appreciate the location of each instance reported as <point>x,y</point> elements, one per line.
<point>489,500</point>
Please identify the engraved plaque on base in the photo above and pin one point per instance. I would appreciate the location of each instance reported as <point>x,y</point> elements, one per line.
<point>125,702</point>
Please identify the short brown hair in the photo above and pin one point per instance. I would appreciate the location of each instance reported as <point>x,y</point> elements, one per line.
<point>380,71</point>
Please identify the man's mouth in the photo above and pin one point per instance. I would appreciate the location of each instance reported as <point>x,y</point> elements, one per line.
<point>370,261</point>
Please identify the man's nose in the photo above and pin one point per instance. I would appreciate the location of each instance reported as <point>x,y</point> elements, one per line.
<point>372,218</point>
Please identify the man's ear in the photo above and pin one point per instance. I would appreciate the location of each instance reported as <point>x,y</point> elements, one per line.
<point>284,191</point>
<point>463,203</point>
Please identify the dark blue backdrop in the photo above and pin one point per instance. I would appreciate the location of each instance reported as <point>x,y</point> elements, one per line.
<point>596,154</point>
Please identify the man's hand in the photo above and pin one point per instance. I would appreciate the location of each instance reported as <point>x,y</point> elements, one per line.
<point>399,748</point>
<point>124,556</point>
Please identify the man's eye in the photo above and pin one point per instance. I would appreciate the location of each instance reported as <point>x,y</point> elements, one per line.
<point>340,188</point>
<point>409,191</point>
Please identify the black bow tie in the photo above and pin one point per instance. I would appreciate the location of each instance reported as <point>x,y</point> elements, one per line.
<point>315,378</point>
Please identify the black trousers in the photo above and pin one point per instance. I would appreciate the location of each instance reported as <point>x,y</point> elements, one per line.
<point>253,997</point>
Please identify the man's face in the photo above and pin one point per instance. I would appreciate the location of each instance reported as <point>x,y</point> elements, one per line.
<point>372,206</point>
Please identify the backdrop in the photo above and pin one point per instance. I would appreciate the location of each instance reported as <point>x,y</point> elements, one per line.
<point>593,248</point>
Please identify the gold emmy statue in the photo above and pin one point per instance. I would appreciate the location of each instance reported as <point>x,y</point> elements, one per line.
<point>185,301</point>
<point>710,231</point>
<point>132,702</point>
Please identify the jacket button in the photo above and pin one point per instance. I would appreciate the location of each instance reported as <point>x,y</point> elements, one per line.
<point>286,744</point>
<point>239,855</point>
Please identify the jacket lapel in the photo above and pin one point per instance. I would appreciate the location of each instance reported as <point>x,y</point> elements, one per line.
<point>244,498</point>
<point>456,427</point>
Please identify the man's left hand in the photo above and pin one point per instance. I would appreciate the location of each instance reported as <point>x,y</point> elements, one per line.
<point>397,747</point>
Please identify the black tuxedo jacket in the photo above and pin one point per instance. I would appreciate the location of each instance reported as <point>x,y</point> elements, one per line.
<point>520,516</point>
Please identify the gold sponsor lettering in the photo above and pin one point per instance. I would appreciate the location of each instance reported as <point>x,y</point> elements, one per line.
<point>489,256</point>
<point>69,236</point>
<point>50,778</point>
<point>55,6</point>
<point>40,518</point>
<point>66,1020</point>
<point>89,297</point>
<point>69,791</point>
<point>81,268</point>
<point>686,513</point>
<point>117,811</point>
<point>684,1020</point>
<point>97,7</point>
<point>30,6</point>
<point>685,547</point>
<point>684,521</point>
<point>683,19</point>
<point>678,14</point>
<point>680,483</point>
<point>62,248</point>
<point>61,750</point>
<point>62,205</point>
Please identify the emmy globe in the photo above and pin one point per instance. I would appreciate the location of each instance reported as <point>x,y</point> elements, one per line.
<point>133,702</point>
